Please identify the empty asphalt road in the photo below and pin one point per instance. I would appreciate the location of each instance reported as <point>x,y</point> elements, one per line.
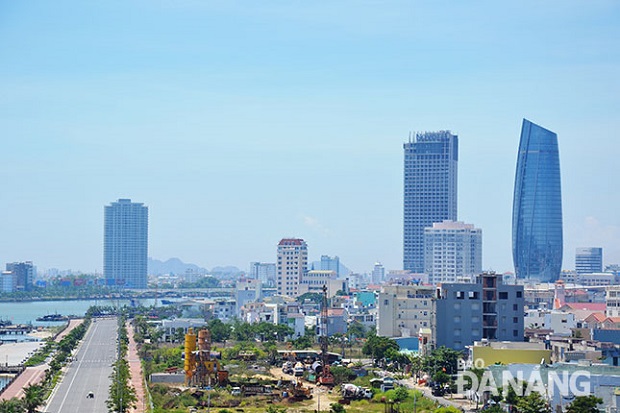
<point>89,373</point>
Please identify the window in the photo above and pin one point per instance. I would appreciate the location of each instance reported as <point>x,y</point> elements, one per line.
<point>457,319</point>
<point>515,333</point>
<point>386,302</point>
<point>515,320</point>
<point>519,294</point>
<point>503,295</point>
<point>473,295</point>
<point>515,307</point>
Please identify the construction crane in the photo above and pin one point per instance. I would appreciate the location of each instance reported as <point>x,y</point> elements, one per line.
<point>325,378</point>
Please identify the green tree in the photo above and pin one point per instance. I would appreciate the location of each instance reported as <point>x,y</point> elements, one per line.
<point>496,408</point>
<point>342,374</point>
<point>584,404</point>
<point>400,394</point>
<point>444,359</point>
<point>336,408</point>
<point>533,403</point>
<point>376,346</point>
<point>219,331</point>
<point>33,397</point>
<point>356,330</point>
<point>13,405</point>
<point>242,331</point>
<point>274,409</point>
<point>441,377</point>
<point>314,297</point>
<point>122,397</point>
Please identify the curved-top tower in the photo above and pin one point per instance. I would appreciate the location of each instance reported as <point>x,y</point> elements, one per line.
<point>537,206</point>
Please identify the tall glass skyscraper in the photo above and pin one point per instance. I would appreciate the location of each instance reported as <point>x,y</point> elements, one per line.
<point>430,190</point>
<point>125,244</point>
<point>537,206</point>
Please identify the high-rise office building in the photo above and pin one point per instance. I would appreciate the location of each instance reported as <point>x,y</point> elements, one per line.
<point>430,190</point>
<point>452,252</point>
<point>125,244</point>
<point>537,206</point>
<point>265,272</point>
<point>330,264</point>
<point>589,260</point>
<point>291,265</point>
<point>23,274</point>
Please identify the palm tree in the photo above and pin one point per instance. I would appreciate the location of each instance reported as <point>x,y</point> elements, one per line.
<point>33,397</point>
<point>13,405</point>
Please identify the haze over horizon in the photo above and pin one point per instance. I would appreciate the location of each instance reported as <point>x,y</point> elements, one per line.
<point>241,123</point>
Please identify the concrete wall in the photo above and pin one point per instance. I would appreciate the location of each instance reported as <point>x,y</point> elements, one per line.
<point>490,356</point>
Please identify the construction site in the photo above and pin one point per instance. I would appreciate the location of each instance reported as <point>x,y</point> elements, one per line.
<point>257,376</point>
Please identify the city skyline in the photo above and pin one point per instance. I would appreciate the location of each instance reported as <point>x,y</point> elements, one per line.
<point>241,124</point>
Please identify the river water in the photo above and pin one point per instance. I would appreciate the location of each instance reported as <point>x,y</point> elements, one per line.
<point>27,312</point>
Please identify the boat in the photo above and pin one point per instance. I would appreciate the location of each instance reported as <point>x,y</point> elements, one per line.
<point>53,317</point>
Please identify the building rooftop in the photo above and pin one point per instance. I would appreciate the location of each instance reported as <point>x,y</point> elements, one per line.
<point>291,241</point>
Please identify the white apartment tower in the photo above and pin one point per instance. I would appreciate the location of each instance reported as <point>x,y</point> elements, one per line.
<point>291,265</point>
<point>452,252</point>
<point>378,273</point>
<point>125,244</point>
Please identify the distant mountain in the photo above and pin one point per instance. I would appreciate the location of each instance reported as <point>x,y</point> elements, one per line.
<point>227,270</point>
<point>172,266</point>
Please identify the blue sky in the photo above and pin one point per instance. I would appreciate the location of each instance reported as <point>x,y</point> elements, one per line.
<point>242,122</point>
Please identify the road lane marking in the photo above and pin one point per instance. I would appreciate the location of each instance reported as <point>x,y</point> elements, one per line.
<point>76,371</point>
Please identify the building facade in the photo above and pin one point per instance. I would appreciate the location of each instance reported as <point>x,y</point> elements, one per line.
<point>612,301</point>
<point>314,280</point>
<point>378,273</point>
<point>404,309</point>
<point>23,274</point>
<point>588,260</point>
<point>487,309</point>
<point>265,272</point>
<point>291,265</point>
<point>452,252</point>
<point>537,206</point>
<point>430,190</point>
<point>125,244</point>
<point>330,264</point>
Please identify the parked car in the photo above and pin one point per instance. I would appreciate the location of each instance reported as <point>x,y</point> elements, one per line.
<point>437,390</point>
<point>388,384</point>
<point>299,370</point>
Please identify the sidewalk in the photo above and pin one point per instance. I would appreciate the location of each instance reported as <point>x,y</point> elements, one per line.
<point>36,374</point>
<point>31,375</point>
<point>74,322</point>
<point>135,370</point>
